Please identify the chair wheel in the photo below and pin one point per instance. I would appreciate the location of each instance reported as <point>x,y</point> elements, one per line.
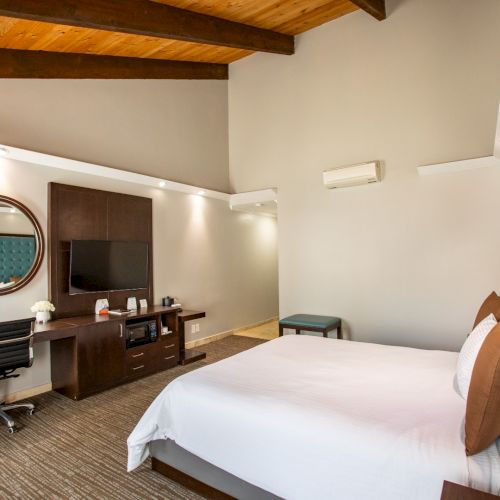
<point>30,411</point>
<point>11,430</point>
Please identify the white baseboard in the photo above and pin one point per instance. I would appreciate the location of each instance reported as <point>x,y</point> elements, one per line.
<point>254,325</point>
<point>28,393</point>
<point>207,340</point>
<point>228,333</point>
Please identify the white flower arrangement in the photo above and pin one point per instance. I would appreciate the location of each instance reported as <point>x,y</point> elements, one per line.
<point>43,306</point>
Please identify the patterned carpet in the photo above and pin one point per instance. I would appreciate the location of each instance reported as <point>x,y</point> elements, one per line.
<point>73,450</point>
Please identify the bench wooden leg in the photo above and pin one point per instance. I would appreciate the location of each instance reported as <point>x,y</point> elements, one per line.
<point>339,331</point>
<point>297,331</point>
<point>281,331</point>
<point>325,333</point>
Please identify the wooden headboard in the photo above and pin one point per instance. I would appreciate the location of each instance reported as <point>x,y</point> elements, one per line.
<point>77,213</point>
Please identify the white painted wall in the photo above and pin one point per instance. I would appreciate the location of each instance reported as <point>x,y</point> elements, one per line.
<point>209,257</point>
<point>407,261</point>
<point>175,129</point>
<point>16,223</point>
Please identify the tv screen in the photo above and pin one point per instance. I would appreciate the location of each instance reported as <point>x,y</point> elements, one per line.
<point>101,266</point>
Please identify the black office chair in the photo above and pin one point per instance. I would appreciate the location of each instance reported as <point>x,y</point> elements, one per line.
<point>16,351</point>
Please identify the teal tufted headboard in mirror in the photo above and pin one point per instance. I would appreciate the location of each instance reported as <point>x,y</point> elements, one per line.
<point>21,245</point>
<point>17,253</point>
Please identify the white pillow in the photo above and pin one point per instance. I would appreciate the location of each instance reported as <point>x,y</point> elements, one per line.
<point>469,352</point>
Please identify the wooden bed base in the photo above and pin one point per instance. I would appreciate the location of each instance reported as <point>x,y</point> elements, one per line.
<point>188,481</point>
<point>450,491</point>
<point>200,476</point>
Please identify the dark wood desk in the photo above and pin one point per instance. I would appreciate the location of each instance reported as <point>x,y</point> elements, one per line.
<point>188,355</point>
<point>54,330</point>
<point>89,353</point>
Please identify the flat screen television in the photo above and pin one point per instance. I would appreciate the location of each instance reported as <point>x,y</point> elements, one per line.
<point>104,266</point>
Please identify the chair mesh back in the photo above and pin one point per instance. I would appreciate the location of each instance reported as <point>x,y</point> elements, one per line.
<point>15,355</point>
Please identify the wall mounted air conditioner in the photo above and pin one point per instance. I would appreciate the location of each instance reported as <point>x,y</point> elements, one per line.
<point>352,175</point>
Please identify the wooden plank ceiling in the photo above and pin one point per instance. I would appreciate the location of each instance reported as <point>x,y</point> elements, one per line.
<point>25,29</point>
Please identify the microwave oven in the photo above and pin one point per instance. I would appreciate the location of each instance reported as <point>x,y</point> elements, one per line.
<point>141,333</point>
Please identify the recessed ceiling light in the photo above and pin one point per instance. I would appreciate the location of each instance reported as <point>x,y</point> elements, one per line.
<point>12,210</point>
<point>3,152</point>
<point>162,184</point>
<point>201,192</point>
<point>258,204</point>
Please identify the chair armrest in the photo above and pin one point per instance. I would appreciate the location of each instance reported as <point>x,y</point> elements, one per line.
<point>18,339</point>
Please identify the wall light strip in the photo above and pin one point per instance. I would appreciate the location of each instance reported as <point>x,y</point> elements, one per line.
<point>252,197</point>
<point>111,173</point>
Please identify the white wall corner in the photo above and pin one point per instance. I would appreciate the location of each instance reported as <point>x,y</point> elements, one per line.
<point>459,166</point>
<point>262,202</point>
<point>496,152</point>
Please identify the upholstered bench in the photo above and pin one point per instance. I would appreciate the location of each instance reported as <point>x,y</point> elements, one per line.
<point>312,323</point>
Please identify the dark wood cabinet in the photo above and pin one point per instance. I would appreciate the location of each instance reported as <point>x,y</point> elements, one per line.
<point>91,355</point>
<point>101,350</point>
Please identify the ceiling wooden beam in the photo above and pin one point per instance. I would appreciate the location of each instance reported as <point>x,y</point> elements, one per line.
<point>143,17</point>
<point>37,64</point>
<point>375,8</point>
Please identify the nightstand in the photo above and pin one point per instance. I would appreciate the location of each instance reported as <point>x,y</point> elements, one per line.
<point>453,491</point>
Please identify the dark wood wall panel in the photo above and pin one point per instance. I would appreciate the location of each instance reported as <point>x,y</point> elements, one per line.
<point>122,209</point>
<point>77,213</point>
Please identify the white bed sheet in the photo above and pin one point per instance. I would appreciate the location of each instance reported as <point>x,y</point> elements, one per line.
<point>305,417</point>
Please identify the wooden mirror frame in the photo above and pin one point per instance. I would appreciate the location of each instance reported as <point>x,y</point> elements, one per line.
<point>40,245</point>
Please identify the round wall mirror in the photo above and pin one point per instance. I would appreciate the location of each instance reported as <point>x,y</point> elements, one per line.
<point>21,245</point>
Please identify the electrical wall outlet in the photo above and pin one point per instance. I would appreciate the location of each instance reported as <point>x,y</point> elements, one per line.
<point>197,327</point>
<point>193,328</point>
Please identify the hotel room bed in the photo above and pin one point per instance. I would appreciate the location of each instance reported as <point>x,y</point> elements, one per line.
<point>306,417</point>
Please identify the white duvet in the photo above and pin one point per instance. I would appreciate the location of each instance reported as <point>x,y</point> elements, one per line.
<point>309,418</point>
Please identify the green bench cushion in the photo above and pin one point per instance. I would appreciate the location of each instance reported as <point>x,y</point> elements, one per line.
<point>310,320</point>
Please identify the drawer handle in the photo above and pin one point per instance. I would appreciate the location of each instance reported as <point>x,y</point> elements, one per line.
<point>138,368</point>
<point>170,357</point>
<point>169,346</point>
<point>138,355</point>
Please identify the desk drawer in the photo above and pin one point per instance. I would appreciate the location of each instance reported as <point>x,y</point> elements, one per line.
<point>150,358</point>
<point>142,352</point>
<point>140,360</point>
<point>167,347</point>
<point>168,354</point>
